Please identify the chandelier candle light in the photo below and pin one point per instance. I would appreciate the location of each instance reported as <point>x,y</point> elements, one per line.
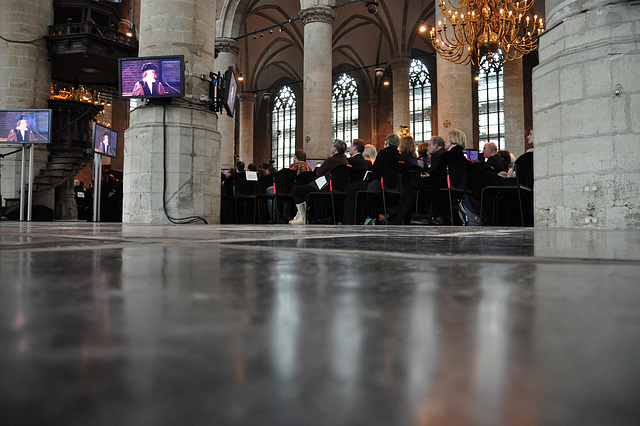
<point>486,32</point>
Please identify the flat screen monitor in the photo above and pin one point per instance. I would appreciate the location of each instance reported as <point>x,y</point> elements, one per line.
<point>151,77</point>
<point>228,91</point>
<point>25,126</point>
<point>105,140</point>
<point>471,154</point>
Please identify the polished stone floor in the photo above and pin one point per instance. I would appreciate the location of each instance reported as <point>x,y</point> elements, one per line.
<point>109,324</point>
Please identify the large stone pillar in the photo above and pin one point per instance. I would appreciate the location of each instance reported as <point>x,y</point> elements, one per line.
<point>515,132</point>
<point>455,100</point>
<point>228,51</point>
<point>318,24</point>
<point>586,105</point>
<point>247,106</point>
<point>401,108</point>
<point>177,144</point>
<point>373,105</point>
<point>25,77</point>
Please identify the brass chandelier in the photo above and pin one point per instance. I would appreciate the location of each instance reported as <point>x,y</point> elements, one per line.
<point>486,32</point>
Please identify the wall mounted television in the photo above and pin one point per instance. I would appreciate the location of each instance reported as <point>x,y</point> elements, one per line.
<point>228,91</point>
<point>104,140</point>
<point>25,126</point>
<point>151,77</point>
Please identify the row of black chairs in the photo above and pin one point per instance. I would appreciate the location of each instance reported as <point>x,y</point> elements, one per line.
<point>242,198</point>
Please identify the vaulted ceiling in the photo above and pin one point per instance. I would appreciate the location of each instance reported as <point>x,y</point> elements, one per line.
<point>361,40</point>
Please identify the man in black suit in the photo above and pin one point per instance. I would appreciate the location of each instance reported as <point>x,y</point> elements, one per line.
<point>492,158</point>
<point>299,193</point>
<point>105,146</point>
<point>436,149</point>
<point>356,160</point>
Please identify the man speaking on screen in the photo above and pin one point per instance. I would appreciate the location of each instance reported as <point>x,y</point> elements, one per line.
<point>149,84</point>
<point>21,133</point>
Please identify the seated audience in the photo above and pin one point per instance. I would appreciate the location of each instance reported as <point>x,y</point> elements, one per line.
<point>356,160</point>
<point>423,156</point>
<point>299,193</point>
<point>491,157</point>
<point>407,150</point>
<point>436,149</point>
<point>300,162</point>
<point>369,154</point>
<point>436,178</point>
<point>506,159</point>
<point>387,157</point>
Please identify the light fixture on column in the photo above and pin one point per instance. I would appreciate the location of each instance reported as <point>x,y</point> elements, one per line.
<point>486,33</point>
<point>386,81</point>
<point>240,77</point>
<point>379,72</point>
<point>423,27</point>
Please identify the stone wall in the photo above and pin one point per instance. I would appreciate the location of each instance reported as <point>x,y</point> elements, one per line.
<point>25,77</point>
<point>586,102</point>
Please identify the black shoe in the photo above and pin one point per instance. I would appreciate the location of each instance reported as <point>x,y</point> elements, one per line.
<point>438,221</point>
<point>420,219</point>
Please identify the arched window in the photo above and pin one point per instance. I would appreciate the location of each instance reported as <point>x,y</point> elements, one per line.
<point>344,103</point>
<point>283,125</point>
<point>420,101</point>
<point>491,107</point>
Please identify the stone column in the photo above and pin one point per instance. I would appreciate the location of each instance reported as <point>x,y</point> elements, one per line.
<point>401,108</point>
<point>176,143</point>
<point>373,105</point>
<point>228,51</point>
<point>586,104</point>
<point>25,78</point>
<point>318,24</point>
<point>515,132</point>
<point>455,100</point>
<point>247,106</point>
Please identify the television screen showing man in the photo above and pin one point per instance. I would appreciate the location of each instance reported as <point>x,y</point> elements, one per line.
<point>22,132</point>
<point>106,143</point>
<point>149,85</point>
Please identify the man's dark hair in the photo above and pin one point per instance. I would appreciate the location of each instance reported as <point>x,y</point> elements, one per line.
<point>252,167</point>
<point>359,144</point>
<point>437,140</point>
<point>341,147</point>
<point>301,155</point>
<point>240,166</point>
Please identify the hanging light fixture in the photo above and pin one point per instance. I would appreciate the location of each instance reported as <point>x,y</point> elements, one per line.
<point>240,77</point>
<point>486,32</point>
